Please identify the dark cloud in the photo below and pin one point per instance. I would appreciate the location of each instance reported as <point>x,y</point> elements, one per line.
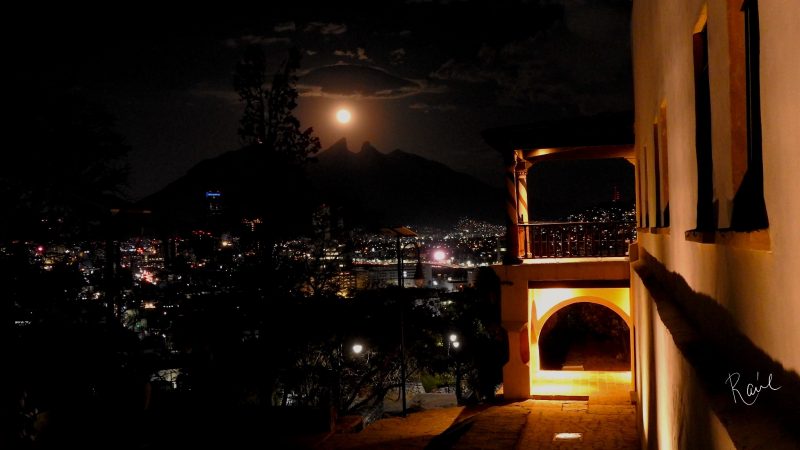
<point>251,39</point>
<point>426,107</point>
<point>458,71</point>
<point>285,26</point>
<point>360,54</point>
<point>326,28</point>
<point>364,82</point>
<point>548,70</point>
<point>441,2</point>
<point>397,56</point>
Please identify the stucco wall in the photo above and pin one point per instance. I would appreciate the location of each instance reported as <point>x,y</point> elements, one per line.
<point>760,288</point>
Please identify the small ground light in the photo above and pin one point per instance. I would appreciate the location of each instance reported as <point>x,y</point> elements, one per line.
<point>453,338</point>
<point>357,348</point>
<point>568,437</point>
<point>456,344</point>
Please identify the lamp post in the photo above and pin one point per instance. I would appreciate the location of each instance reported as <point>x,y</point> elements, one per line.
<point>399,233</point>
<point>356,349</point>
<point>456,346</point>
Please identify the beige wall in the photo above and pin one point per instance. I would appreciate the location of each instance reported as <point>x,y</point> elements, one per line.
<point>760,288</point>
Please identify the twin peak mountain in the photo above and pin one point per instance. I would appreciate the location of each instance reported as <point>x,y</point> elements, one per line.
<point>369,189</point>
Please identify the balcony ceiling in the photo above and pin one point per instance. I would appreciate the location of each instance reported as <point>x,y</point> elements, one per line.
<point>607,135</point>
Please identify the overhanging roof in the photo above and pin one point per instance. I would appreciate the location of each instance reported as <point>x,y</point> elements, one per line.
<point>575,137</point>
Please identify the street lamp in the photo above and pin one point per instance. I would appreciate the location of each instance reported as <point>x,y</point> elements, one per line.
<point>399,233</point>
<point>356,348</point>
<point>452,343</point>
<point>456,345</point>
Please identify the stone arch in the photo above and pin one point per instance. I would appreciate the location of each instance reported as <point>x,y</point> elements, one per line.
<point>571,301</point>
<point>567,298</point>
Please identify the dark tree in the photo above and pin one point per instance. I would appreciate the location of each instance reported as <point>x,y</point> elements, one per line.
<point>64,169</point>
<point>269,127</point>
<point>268,120</point>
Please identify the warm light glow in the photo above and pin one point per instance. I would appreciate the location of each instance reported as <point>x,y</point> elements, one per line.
<point>579,382</point>
<point>568,436</point>
<point>453,338</point>
<point>343,116</point>
<point>456,344</point>
<point>548,298</point>
<point>439,255</point>
<point>357,348</point>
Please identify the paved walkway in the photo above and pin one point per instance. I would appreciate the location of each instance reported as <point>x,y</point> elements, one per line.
<point>412,432</point>
<point>606,420</point>
<point>603,426</point>
<point>532,424</point>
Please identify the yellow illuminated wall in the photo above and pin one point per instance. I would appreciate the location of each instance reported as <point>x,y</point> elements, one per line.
<point>547,301</point>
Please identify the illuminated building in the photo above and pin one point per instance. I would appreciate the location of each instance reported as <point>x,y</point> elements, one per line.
<point>551,266</point>
<point>214,202</point>
<point>709,282</point>
<point>716,288</point>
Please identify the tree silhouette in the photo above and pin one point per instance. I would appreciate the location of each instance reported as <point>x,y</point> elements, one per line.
<point>65,168</point>
<point>268,118</point>
<point>268,124</point>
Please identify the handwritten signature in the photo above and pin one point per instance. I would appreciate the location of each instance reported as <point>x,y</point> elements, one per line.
<point>751,391</point>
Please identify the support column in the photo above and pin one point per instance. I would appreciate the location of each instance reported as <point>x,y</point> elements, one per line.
<point>521,172</point>
<point>512,241</point>
<point>516,372</point>
<point>515,314</point>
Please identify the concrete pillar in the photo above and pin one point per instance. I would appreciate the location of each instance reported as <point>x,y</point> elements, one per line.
<point>515,313</point>
<point>516,372</point>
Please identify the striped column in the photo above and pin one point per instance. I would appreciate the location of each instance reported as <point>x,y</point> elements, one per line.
<point>521,171</point>
<point>512,240</point>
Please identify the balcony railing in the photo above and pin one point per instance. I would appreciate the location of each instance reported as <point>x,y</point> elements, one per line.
<point>576,239</point>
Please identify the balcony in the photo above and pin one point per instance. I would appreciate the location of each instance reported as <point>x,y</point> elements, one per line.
<point>575,239</point>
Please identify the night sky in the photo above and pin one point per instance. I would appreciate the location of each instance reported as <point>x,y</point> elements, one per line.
<point>423,76</point>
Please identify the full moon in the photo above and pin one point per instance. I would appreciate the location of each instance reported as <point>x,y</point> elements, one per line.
<point>343,116</point>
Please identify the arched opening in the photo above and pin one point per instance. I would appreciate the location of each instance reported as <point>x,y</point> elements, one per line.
<point>585,336</point>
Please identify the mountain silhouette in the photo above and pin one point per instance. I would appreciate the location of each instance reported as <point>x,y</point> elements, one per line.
<point>399,188</point>
<point>368,189</point>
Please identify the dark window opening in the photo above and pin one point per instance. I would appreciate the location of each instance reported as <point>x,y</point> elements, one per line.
<point>585,336</point>
<point>706,219</point>
<point>662,165</point>
<point>657,170</point>
<point>749,209</point>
